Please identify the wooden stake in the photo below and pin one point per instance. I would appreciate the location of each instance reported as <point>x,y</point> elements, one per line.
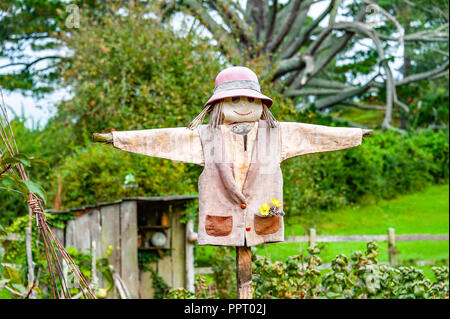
<point>391,246</point>
<point>244,272</point>
<point>189,248</point>
<point>312,237</point>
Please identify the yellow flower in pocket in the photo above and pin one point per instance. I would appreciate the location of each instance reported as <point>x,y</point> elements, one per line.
<point>264,209</point>
<point>275,202</point>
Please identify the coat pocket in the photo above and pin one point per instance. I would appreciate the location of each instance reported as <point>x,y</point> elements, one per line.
<point>266,225</point>
<point>218,225</point>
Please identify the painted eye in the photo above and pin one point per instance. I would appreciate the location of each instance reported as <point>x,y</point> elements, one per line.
<point>235,99</point>
<point>251,99</point>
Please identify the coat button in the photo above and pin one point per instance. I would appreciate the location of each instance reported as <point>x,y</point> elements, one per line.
<point>247,228</point>
<point>243,206</point>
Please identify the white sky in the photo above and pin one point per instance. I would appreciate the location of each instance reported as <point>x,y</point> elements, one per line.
<point>38,111</point>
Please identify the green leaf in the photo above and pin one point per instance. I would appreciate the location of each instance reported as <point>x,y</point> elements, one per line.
<point>35,189</point>
<point>13,182</point>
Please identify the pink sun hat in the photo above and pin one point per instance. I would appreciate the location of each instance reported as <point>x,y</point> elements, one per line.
<point>238,81</point>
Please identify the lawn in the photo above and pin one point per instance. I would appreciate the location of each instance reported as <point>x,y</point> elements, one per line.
<point>426,212</point>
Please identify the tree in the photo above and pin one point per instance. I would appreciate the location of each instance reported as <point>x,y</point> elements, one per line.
<point>31,46</point>
<point>427,101</point>
<point>130,70</point>
<point>299,53</point>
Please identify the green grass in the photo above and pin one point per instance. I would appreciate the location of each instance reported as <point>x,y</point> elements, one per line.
<point>407,251</point>
<point>425,212</point>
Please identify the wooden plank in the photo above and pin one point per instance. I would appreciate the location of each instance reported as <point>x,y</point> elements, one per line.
<point>59,234</point>
<point>312,237</point>
<point>244,273</point>
<point>203,270</point>
<point>128,246</point>
<point>110,221</point>
<point>189,253</point>
<point>164,266</point>
<point>391,246</point>
<point>422,237</point>
<point>81,234</point>
<point>354,238</point>
<point>96,235</point>
<point>146,280</point>
<point>165,269</point>
<point>69,233</point>
<point>178,248</point>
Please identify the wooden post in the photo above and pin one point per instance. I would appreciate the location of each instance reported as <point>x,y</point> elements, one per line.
<point>30,262</point>
<point>244,272</point>
<point>312,237</point>
<point>190,275</point>
<point>391,246</point>
<point>127,255</point>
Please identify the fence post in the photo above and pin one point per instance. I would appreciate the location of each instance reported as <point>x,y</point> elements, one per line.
<point>190,271</point>
<point>391,246</point>
<point>312,237</point>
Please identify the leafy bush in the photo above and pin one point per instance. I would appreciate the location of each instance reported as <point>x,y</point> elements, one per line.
<point>357,277</point>
<point>49,144</point>
<point>14,267</point>
<point>100,173</point>
<point>132,71</point>
<point>384,166</point>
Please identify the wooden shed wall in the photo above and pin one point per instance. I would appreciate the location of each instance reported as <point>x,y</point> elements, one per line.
<point>110,226</point>
<point>116,225</point>
<point>171,268</point>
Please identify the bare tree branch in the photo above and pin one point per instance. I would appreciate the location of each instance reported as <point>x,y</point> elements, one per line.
<point>271,25</point>
<point>234,22</point>
<point>424,75</point>
<point>295,46</point>
<point>316,82</point>
<point>299,22</point>
<point>273,46</point>
<point>257,11</point>
<point>30,64</point>
<point>218,32</point>
<point>307,92</point>
<point>344,95</point>
<point>297,62</point>
<point>436,35</point>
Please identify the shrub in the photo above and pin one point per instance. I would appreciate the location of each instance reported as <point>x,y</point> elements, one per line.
<point>357,277</point>
<point>100,173</point>
<point>384,166</point>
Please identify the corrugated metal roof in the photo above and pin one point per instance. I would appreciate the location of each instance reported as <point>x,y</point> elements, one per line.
<point>142,199</point>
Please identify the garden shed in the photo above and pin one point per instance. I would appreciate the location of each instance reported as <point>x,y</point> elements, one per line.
<point>130,226</point>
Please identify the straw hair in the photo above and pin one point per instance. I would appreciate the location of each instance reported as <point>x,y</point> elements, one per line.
<point>216,116</point>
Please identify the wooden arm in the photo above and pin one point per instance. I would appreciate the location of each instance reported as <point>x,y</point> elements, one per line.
<point>367,133</point>
<point>103,138</point>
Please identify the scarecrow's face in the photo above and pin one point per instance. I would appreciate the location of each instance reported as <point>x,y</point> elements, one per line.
<point>241,109</point>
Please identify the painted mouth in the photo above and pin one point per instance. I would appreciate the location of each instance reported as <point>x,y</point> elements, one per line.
<point>242,113</point>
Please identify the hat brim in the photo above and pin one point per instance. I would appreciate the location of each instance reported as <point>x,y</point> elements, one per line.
<point>240,92</point>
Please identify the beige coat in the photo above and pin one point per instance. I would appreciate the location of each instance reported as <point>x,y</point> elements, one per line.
<point>236,174</point>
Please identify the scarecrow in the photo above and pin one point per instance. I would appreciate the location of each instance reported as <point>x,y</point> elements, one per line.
<point>241,149</point>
